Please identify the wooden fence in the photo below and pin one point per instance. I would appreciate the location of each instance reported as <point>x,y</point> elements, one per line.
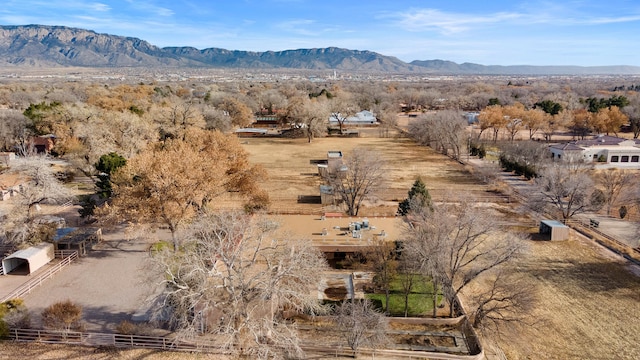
<point>169,344</point>
<point>589,229</point>
<point>68,256</point>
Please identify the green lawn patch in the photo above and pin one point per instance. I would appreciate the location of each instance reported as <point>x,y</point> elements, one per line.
<point>420,302</point>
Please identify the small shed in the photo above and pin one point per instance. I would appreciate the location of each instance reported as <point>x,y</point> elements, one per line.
<point>81,240</point>
<point>554,230</point>
<point>327,195</point>
<point>29,259</point>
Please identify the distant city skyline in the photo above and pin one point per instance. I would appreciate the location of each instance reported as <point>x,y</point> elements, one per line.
<point>585,33</point>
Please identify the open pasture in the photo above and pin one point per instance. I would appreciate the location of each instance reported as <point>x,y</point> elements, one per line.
<point>292,178</point>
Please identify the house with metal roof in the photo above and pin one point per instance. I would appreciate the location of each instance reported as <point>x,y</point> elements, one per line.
<point>361,118</point>
<point>602,150</point>
<point>28,260</point>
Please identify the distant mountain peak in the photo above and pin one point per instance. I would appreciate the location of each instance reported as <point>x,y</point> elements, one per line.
<point>60,46</point>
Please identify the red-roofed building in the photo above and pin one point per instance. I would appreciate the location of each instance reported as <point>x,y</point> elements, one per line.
<point>43,143</point>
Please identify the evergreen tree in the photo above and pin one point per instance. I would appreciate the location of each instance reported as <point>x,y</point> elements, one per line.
<point>107,165</point>
<point>418,198</point>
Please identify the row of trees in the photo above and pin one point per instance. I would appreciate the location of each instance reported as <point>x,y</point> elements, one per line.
<point>513,119</point>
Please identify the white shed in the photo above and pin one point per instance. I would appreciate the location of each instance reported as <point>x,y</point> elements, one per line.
<point>32,258</point>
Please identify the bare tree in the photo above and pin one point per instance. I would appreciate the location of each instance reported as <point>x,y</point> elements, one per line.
<point>362,324</point>
<point>38,186</point>
<point>504,299</point>
<point>357,178</point>
<point>309,114</point>
<point>216,119</point>
<point>614,182</point>
<point>443,131</point>
<point>633,113</point>
<point>234,280</point>
<point>569,189</point>
<point>409,274</point>
<point>381,257</point>
<point>12,125</point>
<point>342,107</point>
<point>458,242</point>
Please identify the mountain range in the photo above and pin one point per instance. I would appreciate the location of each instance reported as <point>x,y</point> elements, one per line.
<point>60,46</point>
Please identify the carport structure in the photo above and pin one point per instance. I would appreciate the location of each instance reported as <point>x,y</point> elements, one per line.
<point>28,260</point>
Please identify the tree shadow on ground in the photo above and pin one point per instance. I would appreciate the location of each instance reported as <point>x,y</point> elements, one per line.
<point>591,276</point>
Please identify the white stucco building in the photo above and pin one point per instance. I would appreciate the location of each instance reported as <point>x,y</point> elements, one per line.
<point>601,150</point>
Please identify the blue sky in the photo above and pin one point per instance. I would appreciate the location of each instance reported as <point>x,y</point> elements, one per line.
<point>579,32</point>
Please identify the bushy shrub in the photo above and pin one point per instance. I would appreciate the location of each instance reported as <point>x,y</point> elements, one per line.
<point>13,314</point>
<point>64,315</point>
<point>623,211</point>
<point>528,171</point>
<point>130,328</point>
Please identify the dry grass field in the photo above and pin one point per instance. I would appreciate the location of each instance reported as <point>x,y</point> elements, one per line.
<point>291,175</point>
<point>588,304</point>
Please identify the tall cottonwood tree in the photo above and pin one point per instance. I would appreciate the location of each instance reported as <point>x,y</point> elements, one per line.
<point>443,131</point>
<point>614,183</point>
<point>633,113</point>
<point>381,257</point>
<point>358,178</point>
<point>534,120</point>
<point>457,243</point>
<point>38,185</point>
<point>12,126</point>
<point>234,279</point>
<point>514,114</point>
<point>568,188</point>
<point>173,180</point>
<point>309,114</point>
<point>504,299</point>
<point>241,114</point>
<point>362,324</point>
<point>341,107</point>
<point>491,117</point>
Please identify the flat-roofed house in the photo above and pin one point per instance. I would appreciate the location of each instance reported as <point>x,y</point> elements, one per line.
<point>602,150</point>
